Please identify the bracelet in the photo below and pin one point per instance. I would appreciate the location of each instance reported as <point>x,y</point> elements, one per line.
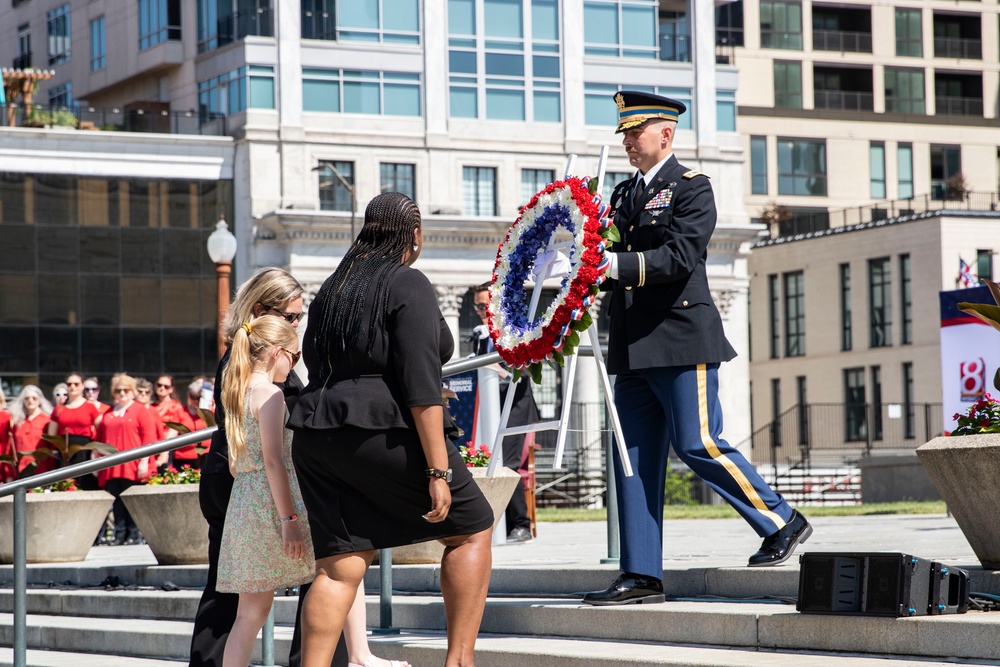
<point>290,518</point>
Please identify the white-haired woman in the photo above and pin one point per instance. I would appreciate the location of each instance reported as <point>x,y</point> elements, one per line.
<point>29,415</point>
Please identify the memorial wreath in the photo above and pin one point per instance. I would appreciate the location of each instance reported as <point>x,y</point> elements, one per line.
<point>524,343</point>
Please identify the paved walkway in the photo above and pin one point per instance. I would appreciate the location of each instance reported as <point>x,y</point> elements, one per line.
<point>697,542</point>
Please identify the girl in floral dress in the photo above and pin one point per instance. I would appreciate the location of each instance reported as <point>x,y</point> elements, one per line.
<point>266,542</point>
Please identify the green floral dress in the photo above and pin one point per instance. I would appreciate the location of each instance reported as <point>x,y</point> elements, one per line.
<point>251,560</point>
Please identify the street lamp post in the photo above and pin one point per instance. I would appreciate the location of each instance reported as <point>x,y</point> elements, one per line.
<point>222,250</point>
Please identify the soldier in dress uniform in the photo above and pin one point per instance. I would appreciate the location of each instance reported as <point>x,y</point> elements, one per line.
<point>666,342</point>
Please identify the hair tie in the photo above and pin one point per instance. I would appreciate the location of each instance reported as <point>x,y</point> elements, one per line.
<point>246,327</point>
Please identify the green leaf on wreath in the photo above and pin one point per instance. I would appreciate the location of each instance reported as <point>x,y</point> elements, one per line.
<point>595,290</point>
<point>561,359</point>
<point>613,234</point>
<point>517,376</point>
<point>572,339</point>
<point>536,373</point>
<point>592,186</point>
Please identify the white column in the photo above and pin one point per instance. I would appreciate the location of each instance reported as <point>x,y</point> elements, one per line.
<point>436,69</point>
<point>702,13</point>
<point>296,178</point>
<point>572,84</point>
<point>450,302</point>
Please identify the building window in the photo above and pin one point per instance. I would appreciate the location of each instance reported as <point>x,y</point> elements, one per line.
<point>879,303</point>
<point>227,93</point>
<point>222,22</point>
<point>479,187</point>
<point>398,178</point>
<point>620,28</point>
<point>758,165</point>
<point>318,19</point>
<point>854,405</point>
<point>356,91</point>
<point>675,38</point>
<point>909,410</point>
<point>774,315</point>
<point>611,179</point>
<point>725,111</point>
<point>984,264</point>
<point>534,180</point>
<point>781,25</point>
<point>600,110</point>
<point>905,301</point>
<point>876,402</point>
<point>336,186</point>
<point>159,21</point>
<point>59,35</point>
<point>876,163</point>
<point>507,68</point>
<point>801,167</point>
<point>795,314</point>
<point>909,33</point>
<point>23,60</point>
<point>61,97</point>
<point>385,21</point>
<point>775,412</point>
<point>846,341</point>
<point>803,409</point>
<point>729,24</point>
<point>904,90</point>
<point>787,84</point>
<point>98,45</point>
<point>946,161</point>
<point>904,160</point>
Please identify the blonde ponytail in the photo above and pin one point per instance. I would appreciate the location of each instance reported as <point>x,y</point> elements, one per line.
<point>250,344</point>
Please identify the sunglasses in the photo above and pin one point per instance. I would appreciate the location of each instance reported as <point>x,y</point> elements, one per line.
<point>142,391</point>
<point>291,318</point>
<point>89,389</point>
<point>62,395</point>
<point>74,384</point>
<point>122,390</point>
<point>164,386</point>
<point>482,307</point>
<point>294,355</point>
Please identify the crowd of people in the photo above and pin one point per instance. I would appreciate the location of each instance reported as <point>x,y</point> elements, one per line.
<point>78,417</point>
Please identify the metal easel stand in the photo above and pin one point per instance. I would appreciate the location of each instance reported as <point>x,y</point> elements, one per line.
<point>562,424</point>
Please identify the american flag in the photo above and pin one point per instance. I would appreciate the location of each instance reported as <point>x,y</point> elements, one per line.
<point>966,278</point>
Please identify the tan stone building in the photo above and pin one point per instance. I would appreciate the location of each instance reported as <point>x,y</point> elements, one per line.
<point>857,110</point>
<point>845,332</point>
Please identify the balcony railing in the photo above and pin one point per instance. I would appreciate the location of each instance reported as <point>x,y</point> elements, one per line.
<point>842,40</point>
<point>844,99</point>
<point>955,47</point>
<point>958,106</point>
<point>236,26</point>
<point>23,61</point>
<point>910,105</point>
<point>118,120</point>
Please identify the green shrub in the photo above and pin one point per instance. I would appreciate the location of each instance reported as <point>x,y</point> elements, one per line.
<point>677,489</point>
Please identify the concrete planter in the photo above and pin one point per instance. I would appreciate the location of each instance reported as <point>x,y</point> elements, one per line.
<point>171,522</point>
<point>61,525</point>
<point>966,469</point>
<point>497,489</point>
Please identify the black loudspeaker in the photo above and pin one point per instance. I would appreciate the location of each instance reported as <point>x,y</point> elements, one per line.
<point>880,584</point>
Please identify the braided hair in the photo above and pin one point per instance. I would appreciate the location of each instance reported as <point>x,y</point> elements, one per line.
<point>374,257</point>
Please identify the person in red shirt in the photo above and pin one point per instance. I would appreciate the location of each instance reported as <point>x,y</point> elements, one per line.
<point>168,409</point>
<point>7,470</point>
<point>92,392</point>
<point>126,426</point>
<point>74,421</point>
<point>144,395</point>
<point>29,416</point>
<point>188,456</point>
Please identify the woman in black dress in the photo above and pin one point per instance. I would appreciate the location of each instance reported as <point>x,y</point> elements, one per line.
<point>369,447</point>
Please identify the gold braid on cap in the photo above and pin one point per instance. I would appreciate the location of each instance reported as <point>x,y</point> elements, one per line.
<point>246,327</point>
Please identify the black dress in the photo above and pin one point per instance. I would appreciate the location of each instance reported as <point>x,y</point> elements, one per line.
<point>356,450</point>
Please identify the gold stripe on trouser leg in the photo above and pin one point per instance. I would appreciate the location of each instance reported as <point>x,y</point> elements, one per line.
<point>713,450</point>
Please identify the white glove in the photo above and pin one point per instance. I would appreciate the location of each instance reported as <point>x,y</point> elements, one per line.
<point>613,268</point>
<point>552,262</point>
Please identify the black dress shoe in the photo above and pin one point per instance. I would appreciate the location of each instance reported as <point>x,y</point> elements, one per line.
<point>778,548</point>
<point>628,589</point>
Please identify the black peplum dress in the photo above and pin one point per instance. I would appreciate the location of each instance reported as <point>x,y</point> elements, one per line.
<point>356,450</point>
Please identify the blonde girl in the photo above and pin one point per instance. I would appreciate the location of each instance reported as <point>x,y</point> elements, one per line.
<point>265,541</point>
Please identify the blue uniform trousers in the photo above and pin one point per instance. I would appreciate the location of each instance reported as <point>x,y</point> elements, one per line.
<point>679,405</point>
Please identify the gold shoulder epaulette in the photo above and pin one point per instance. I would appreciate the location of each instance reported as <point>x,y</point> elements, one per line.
<point>688,175</point>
